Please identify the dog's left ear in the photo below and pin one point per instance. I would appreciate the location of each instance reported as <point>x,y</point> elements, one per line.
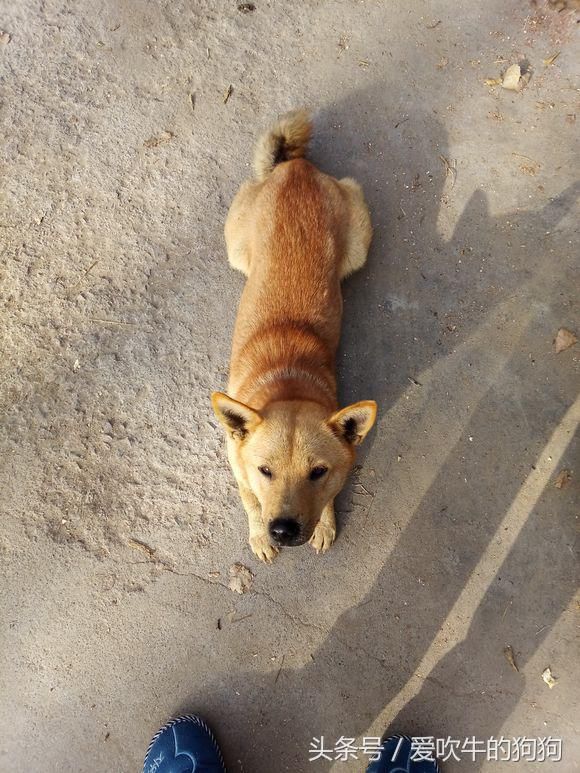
<point>353,422</point>
<point>237,418</point>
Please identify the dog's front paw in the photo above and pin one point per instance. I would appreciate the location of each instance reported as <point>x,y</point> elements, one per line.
<point>323,537</point>
<point>262,549</point>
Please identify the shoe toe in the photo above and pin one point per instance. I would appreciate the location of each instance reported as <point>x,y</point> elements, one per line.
<point>184,745</point>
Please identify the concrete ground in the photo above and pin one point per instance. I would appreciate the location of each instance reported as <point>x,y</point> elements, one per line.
<point>120,519</point>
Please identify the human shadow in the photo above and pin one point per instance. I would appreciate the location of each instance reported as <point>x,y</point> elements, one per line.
<point>475,677</point>
<point>439,333</point>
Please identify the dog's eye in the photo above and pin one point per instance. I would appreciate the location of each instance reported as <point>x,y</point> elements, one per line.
<point>317,472</point>
<point>266,471</point>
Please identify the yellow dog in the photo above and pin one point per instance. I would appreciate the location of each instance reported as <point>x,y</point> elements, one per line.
<point>295,232</point>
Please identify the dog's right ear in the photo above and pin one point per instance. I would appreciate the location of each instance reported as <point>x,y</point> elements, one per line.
<point>237,418</point>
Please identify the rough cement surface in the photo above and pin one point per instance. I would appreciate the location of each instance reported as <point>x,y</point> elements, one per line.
<point>119,515</point>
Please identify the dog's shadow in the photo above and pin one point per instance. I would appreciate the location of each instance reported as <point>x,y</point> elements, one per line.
<point>438,331</point>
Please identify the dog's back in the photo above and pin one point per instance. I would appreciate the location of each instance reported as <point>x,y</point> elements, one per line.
<point>290,233</point>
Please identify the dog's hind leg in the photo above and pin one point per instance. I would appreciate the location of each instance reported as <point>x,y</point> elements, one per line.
<point>359,230</point>
<point>237,229</point>
<point>325,530</point>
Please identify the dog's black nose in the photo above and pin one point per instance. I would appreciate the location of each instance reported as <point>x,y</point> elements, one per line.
<point>284,531</point>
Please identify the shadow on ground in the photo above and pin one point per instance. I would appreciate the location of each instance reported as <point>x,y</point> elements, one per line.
<point>462,318</point>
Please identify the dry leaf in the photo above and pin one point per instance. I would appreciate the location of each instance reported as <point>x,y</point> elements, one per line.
<point>228,93</point>
<point>246,7</point>
<point>551,59</point>
<point>160,139</point>
<point>531,169</point>
<point>510,657</point>
<point>511,78</point>
<point>142,546</point>
<point>565,5</point>
<point>548,677</point>
<point>493,81</point>
<point>564,477</point>
<point>564,340</point>
<point>450,168</point>
<point>240,578</point>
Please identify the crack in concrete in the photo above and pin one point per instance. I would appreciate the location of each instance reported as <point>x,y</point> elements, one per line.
<point>355,649</point>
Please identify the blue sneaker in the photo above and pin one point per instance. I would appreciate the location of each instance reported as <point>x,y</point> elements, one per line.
<point>184,745</point>
<point>396,757</point>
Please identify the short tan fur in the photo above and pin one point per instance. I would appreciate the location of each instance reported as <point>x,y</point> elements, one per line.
<point>295,232</point>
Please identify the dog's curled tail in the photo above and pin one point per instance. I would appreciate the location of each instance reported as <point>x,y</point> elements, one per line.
<point>287,139</point>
